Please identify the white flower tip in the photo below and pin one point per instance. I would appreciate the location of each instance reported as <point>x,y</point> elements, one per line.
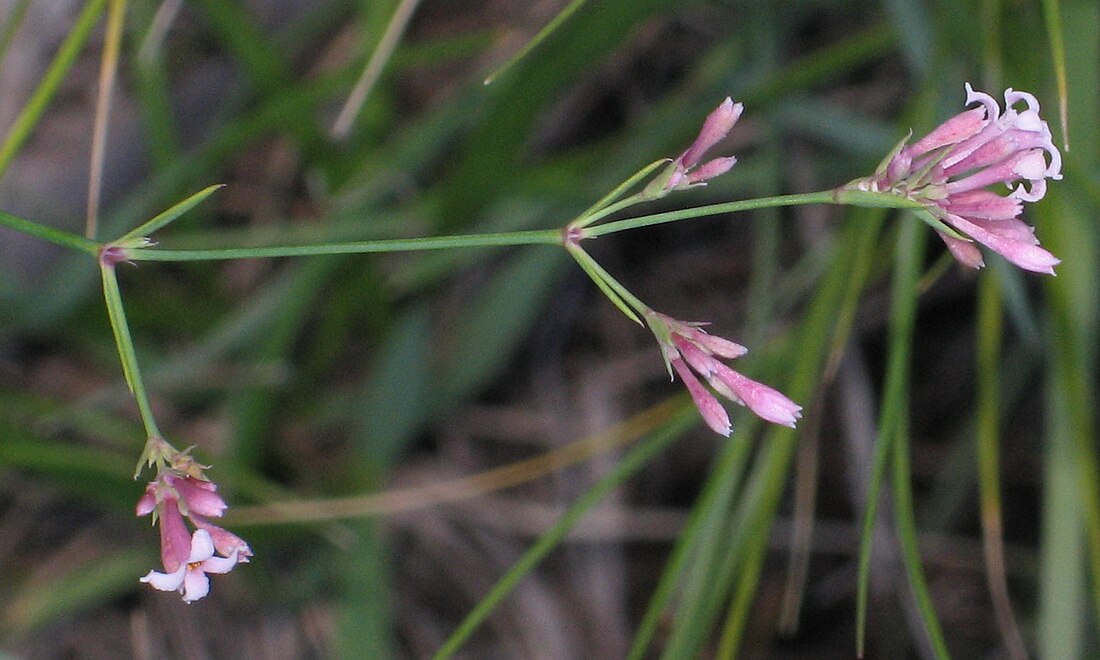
<point>165,581</point>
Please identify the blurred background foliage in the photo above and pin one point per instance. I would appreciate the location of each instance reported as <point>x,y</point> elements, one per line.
<point>397,434</point>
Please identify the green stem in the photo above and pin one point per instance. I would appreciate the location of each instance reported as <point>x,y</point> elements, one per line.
<point>113,297</point>
<point>617,293</point>
<point>823,197</point>
<point>531,237</point>
<point>606,207</point>
<point>58,236</point>
<point>838,196</point>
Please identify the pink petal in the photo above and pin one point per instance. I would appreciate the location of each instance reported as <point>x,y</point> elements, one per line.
<point>716,127</point>
<point>147,503</point>
<point>711,169</point>
<point>1025,254</point>
<point>984,204</point>
<point>1013,229</point>
<point>175,541</point>
<point>765,402</point>
<point>702,362</point>
<point>227,543</point>
<point>993,109</point>
<point>721,347</point>
<point>710,409</point>
<point>199,496</point>
<point>952,131</point>
<point>965,252</point>
<point>1005,171</point>
<point>1012,97</point>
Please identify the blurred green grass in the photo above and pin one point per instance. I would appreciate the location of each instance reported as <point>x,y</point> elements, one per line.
<point>328,377</point>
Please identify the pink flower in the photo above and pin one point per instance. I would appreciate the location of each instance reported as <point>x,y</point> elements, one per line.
<point>949,169</point>
<point>171,497</point>
<point>688,350</point>
<point>190,577</point>
<point>715,128</point>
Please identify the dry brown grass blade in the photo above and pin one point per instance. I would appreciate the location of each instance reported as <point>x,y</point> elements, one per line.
<point>108,70</point>
<point>405,499</point>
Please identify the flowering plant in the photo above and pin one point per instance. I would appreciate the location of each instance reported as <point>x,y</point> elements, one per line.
<point>948,172</point>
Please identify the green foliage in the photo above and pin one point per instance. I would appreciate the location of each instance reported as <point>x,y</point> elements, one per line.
<point>324,373</point>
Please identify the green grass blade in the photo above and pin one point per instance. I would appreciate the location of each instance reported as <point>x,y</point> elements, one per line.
<point>162,219</point>
<point>664,435</point>
<point>703,530</point>
<point>895,422</point>
<point>545,32</point>
<point>82,587</point>
<point>12,23</point>
<point>32,112</point>
<point>823,331</point>
<point>1070,580</point>
<point>905,521</point>
<point>1052,16</point>
<point>373,69</point>
<point>990,329</point>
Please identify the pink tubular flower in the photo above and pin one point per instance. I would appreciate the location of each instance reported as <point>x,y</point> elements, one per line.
<point>949,169</point>
<point>689,350</point>
<point>187,556</point>
<point>189,578</point>
<point>715,128</point>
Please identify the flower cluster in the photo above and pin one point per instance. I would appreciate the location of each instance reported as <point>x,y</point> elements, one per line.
<point>180,491</point>
<point>686,170</point>
<point>949,169</point>
<point>689,350</point>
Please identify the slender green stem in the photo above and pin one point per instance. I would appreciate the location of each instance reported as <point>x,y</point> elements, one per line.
<point>823,197</point>
<point>58,236</point>
<point>592,217</point>
<point>604,206</point>
<point>531,237</point>
<point>162,219</point>
<point>838,196</point>
<point>23,125</point>
<point>113,297</point>
<point>617,293</point>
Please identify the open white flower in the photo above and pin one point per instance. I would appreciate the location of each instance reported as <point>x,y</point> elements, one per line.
<point>190,578</point>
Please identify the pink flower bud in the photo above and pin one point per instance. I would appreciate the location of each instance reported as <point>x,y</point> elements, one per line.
<point>226,542</point>
<point>689,351</point>
<point>715,128</point>
<point>199,496</point>
<point>710,409</point>
<point>965,252</point>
